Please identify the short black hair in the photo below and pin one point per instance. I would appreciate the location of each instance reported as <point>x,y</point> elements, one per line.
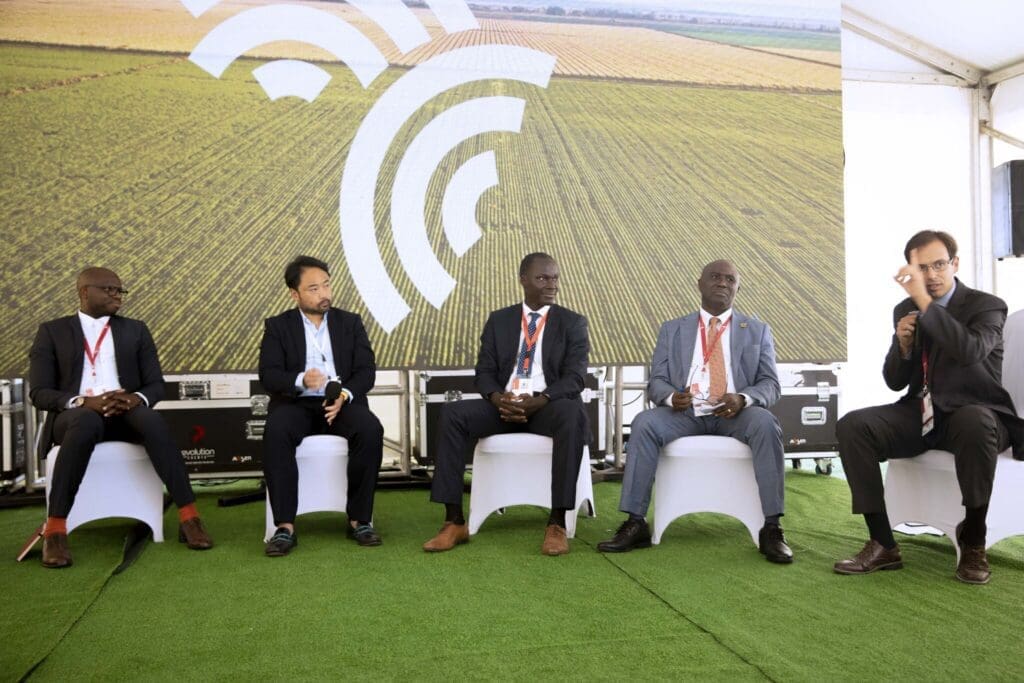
<point>293,271</point>
<point>927,237</point>
<point>528,260</point>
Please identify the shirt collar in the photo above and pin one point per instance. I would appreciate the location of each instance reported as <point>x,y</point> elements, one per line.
<point>944,299</point>
<point>309,323</point>
<point>92,322</point>
<point>543,310</point>
<point>723,317</point>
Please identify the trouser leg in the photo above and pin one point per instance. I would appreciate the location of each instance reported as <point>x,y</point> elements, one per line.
<point>147,425</point>
<point>460,425</point>
<point>975,436</point>
<point>649,432</point>
<point>870,436</point>
<point>365,435</point>
<point>565,421</point>
<point>77,430</point>
<point>759,429</point>
<point>287,425</point>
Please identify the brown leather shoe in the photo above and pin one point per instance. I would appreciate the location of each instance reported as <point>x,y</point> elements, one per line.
<point>973,565</point>
<point>555,541</point>
<point>872,557</point>
<point>56,554</point>
<point>193,533</point>
<point>450,535</point>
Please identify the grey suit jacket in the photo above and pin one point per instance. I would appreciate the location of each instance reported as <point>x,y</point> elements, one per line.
<point>752,353</point>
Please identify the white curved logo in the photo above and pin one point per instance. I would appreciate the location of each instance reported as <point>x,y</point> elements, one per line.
<point>393,110</point>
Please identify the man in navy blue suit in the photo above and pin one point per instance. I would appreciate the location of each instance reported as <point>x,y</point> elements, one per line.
<point>530,372</point>
<point>304,349</point>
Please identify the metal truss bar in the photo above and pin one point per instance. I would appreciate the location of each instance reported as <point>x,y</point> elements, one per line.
<point>900,77</point>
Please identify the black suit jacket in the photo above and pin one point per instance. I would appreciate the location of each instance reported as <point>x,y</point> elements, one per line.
<point>283,355</point>
<point>965,358</point>
<point>57,358</point>
<point>565,345</point>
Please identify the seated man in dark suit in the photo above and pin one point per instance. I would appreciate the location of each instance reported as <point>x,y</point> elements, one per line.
<point>303,350</point>
<point>530,372</point>
<point>98,375</point>
<point>713,372</point>
<point>947,351</point>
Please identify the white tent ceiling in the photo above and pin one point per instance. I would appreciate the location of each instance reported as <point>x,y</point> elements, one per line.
<point>988,34</point>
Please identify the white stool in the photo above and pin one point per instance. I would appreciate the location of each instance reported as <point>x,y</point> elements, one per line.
<point>515,469</point>
<point>323,477</point>
<point>924,489</point>
<point>706,474</point>
<point>119,482</point>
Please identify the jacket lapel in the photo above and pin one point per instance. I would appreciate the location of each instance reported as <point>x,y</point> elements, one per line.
<point>738,338</point>
<point>77,354</point>
<point>683,346</point>
<point>552,341</point>
<point>297,335</point>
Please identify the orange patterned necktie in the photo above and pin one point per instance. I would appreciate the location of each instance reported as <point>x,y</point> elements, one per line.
<point>719,382</point>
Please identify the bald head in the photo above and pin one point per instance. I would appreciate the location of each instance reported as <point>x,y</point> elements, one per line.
<point>718,284</point>
<point>99,291</point>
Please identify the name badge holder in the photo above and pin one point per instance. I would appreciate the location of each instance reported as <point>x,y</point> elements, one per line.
<point>927,409</point>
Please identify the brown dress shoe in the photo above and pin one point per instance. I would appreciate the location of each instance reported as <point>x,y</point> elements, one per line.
<point>555,541</point>
<point>450,535</point>
<point>56,554</point>
<point>973,565</point>
<point>192,533</point>
<point>872,557</point>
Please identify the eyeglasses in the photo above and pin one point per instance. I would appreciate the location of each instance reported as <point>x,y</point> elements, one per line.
<point>937,266</point>
<point>111,290</point>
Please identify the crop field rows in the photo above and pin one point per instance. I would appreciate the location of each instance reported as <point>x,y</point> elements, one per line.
<point>197,191</point>
<point>583,50</point>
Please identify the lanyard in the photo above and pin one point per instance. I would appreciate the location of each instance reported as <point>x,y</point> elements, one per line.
<point>529,341</point>
<point>313,333</point>
<point>94,354</point>
<point>924,369</point>
<point>707,349</point>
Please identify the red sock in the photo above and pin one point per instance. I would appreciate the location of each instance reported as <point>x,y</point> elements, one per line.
<point>56,525</point>
<point>187,512</point>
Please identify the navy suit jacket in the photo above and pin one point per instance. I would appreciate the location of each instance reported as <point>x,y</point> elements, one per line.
<point>751,352</point>
<point>283,355</point>
<point>565,349</point>
<point>965,357</point>
<point>57,357</point>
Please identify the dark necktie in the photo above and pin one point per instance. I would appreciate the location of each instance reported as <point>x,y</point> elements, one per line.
<point>526,351</point>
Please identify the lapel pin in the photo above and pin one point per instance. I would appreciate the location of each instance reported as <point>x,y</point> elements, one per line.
<point>743,324</point>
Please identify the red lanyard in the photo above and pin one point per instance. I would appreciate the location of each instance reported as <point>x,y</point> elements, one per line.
<point>94,354</point>
<point>706,349</point>
<point>924,368</point>
<point>531,341</point>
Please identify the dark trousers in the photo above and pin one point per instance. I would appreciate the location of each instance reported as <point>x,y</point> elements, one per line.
<point>78,430</point>
<point>973,434</point>
<point>289,423</point>
<point>462,423</point>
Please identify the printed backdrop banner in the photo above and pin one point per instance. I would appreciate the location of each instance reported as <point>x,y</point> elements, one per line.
<point>421,148</point>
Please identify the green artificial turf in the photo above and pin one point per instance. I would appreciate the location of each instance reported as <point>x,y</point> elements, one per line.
<point>703,605</point>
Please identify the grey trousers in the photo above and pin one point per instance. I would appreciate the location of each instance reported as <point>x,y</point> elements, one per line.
<point>654,428</point>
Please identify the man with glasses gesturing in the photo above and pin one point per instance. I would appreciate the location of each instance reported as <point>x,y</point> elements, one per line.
<point>713,372</point>
<point>947,351</point>
<point>98,376</point>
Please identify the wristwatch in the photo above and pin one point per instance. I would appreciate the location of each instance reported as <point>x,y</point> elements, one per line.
<point>78,402</point>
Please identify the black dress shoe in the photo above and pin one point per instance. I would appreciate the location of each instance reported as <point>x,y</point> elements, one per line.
<point>364,534</point>
<point>772,544</point>
<point>281,543</point>
<point>633,533</point>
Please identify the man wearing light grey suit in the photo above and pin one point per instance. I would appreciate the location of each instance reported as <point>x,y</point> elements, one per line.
<point>713,372</point>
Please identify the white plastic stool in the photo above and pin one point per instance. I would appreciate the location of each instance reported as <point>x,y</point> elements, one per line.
<point>924,489</point>
<point>119,482</point>
<point>706,474</point>
<point>515,469</point>
<point>323,477</point>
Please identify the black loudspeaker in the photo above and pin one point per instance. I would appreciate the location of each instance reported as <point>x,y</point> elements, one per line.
<point>1008,209</point>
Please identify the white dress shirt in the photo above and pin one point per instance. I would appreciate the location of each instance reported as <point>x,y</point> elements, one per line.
<point>538,383</point>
